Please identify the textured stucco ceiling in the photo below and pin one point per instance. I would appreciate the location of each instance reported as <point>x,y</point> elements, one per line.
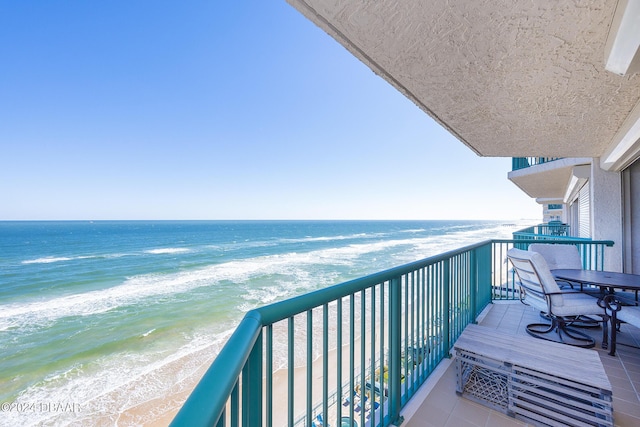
<point>507,78</point>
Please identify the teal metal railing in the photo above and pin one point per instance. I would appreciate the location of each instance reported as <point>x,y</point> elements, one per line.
<point>504,285</point>
<point>548,231</point>
<point>353,353</point>
<point>525,162</point>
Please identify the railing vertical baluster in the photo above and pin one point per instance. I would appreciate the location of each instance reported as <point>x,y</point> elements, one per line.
<point>405,292</point>
<point>446,284</point>
<point>443,314</point>
<point>372,376</point>
<point>484,277</point>
<point>432,314</point>
<point>503,277</point>
<point>457,282</point>
<point>511,275</point>
<point>504,282</point>
<point>339,398</point>
<point>473,284</point>
<point>235,408</point>
<point>290,371</point>
<point>352,345</point>
<point>415,337</point>
<point>462,292</point>
<point>465,296</point>
<point>252,386</point>
<point>587,257</point>
<point>383,383</point>
<point>309,366</point>
<point>363,336</point>
<point>465,272</point>
<point>453,296</point>
<point>269,368</point>
<point>395,331</point>
<point>424,333</point>
<point>461,278</point>
<point>434,319</point>
<point>222,422</point>
<point>325,362</point>
<point>419,338</point>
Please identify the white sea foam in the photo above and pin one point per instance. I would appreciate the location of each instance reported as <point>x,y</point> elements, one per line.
<point>51,259</point>
<point>160,251</point>
<point>116,383</point>
<point>145,286</point>
<point>295,265</point>
<point>414,230</point>
<point>333,238</point>
<point>304,270</point>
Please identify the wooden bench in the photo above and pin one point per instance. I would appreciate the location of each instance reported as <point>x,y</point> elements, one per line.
<point>534,380</point>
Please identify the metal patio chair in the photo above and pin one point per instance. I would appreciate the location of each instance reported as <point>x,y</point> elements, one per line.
<point>559,256</point>
<point>564,256</point>
<point>539,289</point>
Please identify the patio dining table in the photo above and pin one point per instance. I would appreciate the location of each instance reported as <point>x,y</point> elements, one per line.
<point>610,283</point>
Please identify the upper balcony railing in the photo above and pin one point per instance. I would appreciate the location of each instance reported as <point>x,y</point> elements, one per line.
<point>549,231</point>
<point>525,162</point>
<point>355,353</point>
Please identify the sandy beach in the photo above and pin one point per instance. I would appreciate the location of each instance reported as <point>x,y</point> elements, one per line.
<point>160,411</point>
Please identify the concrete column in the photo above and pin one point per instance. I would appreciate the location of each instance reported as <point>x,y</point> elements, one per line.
<point>606,213</point>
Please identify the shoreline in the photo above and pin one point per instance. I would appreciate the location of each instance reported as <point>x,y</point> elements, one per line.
<point>148,414</point>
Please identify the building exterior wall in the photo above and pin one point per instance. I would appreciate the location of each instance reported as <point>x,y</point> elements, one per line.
<point>606,213</point>
<point>631,200</point>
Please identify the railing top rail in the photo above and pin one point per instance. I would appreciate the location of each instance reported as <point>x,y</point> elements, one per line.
<point>552,237</point>
<point>559,240</point>
<point>224,373</point>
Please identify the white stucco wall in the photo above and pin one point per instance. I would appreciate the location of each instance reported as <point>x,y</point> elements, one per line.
<point>606,213</point>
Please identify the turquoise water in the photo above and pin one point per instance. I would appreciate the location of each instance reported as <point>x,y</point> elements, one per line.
<point>98,314</point>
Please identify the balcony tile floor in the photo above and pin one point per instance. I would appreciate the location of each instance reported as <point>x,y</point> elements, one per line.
<point>443,407</point>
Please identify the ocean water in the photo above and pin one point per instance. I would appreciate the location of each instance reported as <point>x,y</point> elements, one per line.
<point>100,317</point>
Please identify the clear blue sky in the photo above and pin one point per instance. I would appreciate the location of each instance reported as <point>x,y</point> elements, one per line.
<point>217,110</point>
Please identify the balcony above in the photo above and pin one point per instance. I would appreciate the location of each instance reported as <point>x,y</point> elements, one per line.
<point>526,162</point>
<point>549,180</point>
